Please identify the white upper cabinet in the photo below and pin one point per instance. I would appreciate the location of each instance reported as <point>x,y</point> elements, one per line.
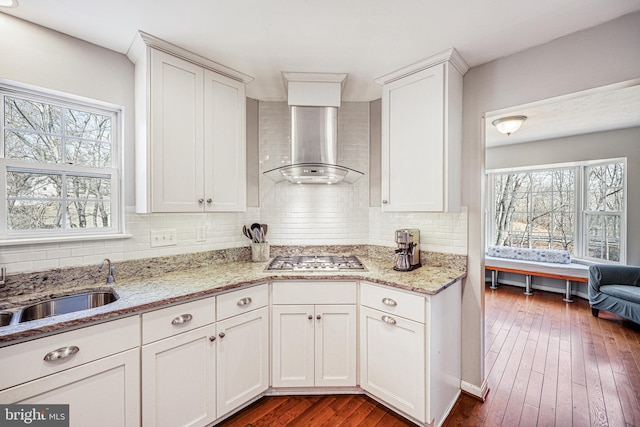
<point>190,131</point>
<point>421,135</point>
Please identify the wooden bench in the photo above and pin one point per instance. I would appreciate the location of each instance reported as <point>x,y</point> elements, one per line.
<point>567,272</point>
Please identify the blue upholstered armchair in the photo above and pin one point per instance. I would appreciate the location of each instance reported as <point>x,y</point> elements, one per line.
<point>615,288</point>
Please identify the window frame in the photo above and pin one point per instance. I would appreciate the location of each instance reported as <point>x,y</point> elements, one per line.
<point>580,252</point>
<point>114,172</point>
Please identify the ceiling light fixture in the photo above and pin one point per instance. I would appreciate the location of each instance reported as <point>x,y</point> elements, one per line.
<point>508,125</point>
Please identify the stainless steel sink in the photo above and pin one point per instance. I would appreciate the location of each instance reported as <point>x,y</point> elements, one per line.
<point>5,318</point>
<point>68,304</point>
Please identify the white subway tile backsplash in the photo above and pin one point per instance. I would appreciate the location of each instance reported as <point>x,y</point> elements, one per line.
<point>296,214</point>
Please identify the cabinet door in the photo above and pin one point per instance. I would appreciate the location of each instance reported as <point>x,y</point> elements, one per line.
<point>225,144</point>
<point>176,140</point>
<point>413,154</point>
<point>178,379</point>
<point>104,393</point>
<point>335,345</point>
<point>293,340</point>
<point>392,360</point>
<point>243,359</point>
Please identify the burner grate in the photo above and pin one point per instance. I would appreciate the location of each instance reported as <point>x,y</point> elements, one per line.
<point>316,263</point>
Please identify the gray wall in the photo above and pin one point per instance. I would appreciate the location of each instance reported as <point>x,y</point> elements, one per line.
<point>606,54</point>
<point>600,145</point>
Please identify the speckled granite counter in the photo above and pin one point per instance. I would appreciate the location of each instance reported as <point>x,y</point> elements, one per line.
<point>147,290</point>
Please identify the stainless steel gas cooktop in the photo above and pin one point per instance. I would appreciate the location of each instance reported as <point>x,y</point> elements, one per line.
<point>316,263</point>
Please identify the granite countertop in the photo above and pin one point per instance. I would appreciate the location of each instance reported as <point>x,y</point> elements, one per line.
<point>138,294</point>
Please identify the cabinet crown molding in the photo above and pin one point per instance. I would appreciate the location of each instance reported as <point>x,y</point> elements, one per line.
<point>143,40</point>
<point>452,56</point>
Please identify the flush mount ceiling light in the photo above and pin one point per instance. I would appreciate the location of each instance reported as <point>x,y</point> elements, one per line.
<point>8,3</point>
<point>508,125</point>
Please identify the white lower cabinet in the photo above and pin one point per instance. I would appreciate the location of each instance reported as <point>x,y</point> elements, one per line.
<point>99,379</point>
<point>392,358</point>
<point>179,365</point>
<point>178,379</point>
<point>243,358</point>
<point>410,349</point>
<point>314,345</point>
<point>201,360</point>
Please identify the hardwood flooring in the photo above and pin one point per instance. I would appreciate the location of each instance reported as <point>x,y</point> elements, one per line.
<point>548,363</point>
<point>344,410</point>
<point>551,363</point>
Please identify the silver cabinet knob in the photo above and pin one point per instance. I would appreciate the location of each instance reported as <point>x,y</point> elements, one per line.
<point>61,353</point>
<point>221,335</point>
<point>318,317</point>
<point>385,202</point>
<point>388,319</point>
<point>212,338</point>
<point>209,200</point>
<point>310,317</point>
<point>183,318</point>
<point>200,201</point>
<point>389,302</point>
<point>244,301</point>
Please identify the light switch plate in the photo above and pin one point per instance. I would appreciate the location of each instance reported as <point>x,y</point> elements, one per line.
<point>166,237</point>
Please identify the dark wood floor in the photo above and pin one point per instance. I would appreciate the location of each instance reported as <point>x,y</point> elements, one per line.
<point>315,411</point>
<point>548,363</point>
<point>551,363</point>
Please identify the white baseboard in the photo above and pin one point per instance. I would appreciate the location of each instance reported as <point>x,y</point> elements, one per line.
<point>474,390</point>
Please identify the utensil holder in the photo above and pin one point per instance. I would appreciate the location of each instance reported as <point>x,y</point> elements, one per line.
<point>260,252</point>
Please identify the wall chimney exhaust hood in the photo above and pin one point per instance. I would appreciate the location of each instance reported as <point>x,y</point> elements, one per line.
<point>314,99</point>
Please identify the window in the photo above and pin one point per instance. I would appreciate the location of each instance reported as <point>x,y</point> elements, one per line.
<point>579,208</point>
<point>604,210</point>
<point>60,158</point>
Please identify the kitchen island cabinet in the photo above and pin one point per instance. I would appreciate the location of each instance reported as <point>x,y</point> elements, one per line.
<point>314,334</point>
<point>422,135</point>
<point>90,369</point>
<point>190,131</point>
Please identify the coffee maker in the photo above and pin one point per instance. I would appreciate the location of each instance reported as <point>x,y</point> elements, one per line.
<point>408,252</point>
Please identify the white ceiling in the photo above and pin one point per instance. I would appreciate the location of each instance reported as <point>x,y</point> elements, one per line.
<point>611,107</point>
<point>364,38</point>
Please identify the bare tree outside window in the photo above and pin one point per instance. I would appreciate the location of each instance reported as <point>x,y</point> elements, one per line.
<point>604,206</point>
<point>57,180</point>
<point>537,209</point>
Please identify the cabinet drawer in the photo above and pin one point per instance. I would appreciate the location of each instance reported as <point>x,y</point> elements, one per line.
<point>241,301</point>
<point>173,320</point>
<point>393,301</point>
<point>25,362</point>
<point>314,292</point>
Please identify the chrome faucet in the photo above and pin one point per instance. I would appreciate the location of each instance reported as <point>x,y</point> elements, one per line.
<point>112,270</point>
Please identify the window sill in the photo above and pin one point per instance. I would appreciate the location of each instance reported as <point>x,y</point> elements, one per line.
<point>62,239</point>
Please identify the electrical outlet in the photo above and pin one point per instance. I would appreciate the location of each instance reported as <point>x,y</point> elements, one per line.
<point>166,237</point>
<point>201,233</point>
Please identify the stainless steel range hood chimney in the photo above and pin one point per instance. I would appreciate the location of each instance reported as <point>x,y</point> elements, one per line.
<point>314,99</point>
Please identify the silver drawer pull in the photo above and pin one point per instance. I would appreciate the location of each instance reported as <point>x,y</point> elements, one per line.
<point>388,319</point>
<point>61,353</point>
<point>389,301</point>
<point>244,301</point>
<point>183,318</point>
